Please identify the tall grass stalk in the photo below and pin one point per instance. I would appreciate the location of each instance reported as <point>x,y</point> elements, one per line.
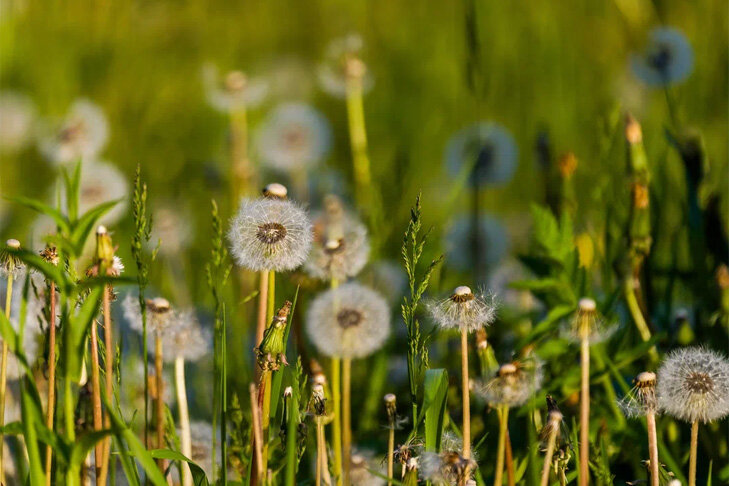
<point>4,373</point>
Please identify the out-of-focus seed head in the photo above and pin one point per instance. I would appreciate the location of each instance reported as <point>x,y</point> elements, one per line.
<point>488,149</point>
<point>588,323</point>
<point>351,321</point>
<point>82,134</point>
<point>464,310</point>
<point>234,91</point>
<point>513,384</point>
<point>667,59</point>
<point>10,262</point>
<point>342,64</point>
<point>693,385</point>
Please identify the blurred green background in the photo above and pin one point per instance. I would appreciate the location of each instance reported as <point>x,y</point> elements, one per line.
<point>556,68</point>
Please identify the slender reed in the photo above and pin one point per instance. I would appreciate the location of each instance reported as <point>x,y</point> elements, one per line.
<point>391,408</point>
<point>465,390</point>
<point>96,397</point>
<point>50,255</point>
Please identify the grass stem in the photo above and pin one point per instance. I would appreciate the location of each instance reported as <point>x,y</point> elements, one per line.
<point>336,423</point>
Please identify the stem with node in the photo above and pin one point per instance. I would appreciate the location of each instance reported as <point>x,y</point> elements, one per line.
<point>503,414</point>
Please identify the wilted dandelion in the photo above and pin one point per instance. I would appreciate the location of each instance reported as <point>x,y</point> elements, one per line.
<point>82,134</point>
<point>339,61</point>
<point>17,115</point>
<point>693,386</point>
<point>668,58</point>
<point>233,91</point>
<point>270,234</point>
<point>490,241</point>
<point>350,321</point>
<point>294,138</point>
<point>486,147</point>
<point>641,401</point>
<point>341,246</point>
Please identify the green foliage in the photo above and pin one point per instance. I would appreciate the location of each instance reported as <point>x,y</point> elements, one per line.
<point>435,403</point>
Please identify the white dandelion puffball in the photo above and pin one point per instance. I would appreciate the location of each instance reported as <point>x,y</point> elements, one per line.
<point>693,385</point>
<point>341,246</point>
<point>490,241</point>
<point>350,321</point>
<point>34,322</point>
<point>514,383</point>
<point>17,115</point>
<point>294,137</point>
<point>102,182</point>
<point>464,310</point>
<point>342,59</point>
<point>82,134</point>
<point>172,228</point>
<point>161,316</point>
<point>234,91</point>
<point>10,263</point>
<point>667,59</point>
<point>270,234</point>
<point>185,338</point>
<point>486,147</point>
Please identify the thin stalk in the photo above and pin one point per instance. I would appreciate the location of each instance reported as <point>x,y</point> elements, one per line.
<point>509,457</point>
<point>336,423</point>
<point>4,374</point>
<point>466,396</point>
<point>185,439</point>
<point>51,377</point>
<point>291,439</point>
<point>109,379</point>
<point>240,164</point>
<point>637,314</point>
<point>145,353</point>
<point>319,458</point>
<point>692,454</point>
<point>160,419</point>
<point>265,419</point>
<point>503,413</point>
<point>551,442</point>
<point>257,433</point>
<point>346,417</point>
<point>224,403</point>
<point>358,140</point>
<point>68,410</point>
<point>271,297</point>
<point>650,420</point>
<point>96,397</point>
<point>585,411</point>
<point>262,307</point>
<point>391,454</point>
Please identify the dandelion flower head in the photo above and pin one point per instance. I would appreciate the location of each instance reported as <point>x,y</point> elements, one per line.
<point>341,246</point>
<point>270,234</point>
<point>693,385</point>
<point>350,321</point>
<point>488,148</point>
<point>667,59</point>
<point>464,310</point>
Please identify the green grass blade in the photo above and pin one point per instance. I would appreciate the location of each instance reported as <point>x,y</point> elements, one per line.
<point>435,396</point>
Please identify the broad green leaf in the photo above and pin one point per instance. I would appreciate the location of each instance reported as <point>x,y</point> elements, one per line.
<point>84,444</point>
<point>198,475</point>
<point>435,396</point>
<point>51,272</point>
<point>32,417</point>
<point>86,223</point>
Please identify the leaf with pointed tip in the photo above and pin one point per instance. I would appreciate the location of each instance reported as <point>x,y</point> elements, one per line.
<point>74,334</point>
<point>435,396</point>
<point>85,224</point>
<point>42,208</point>
<point>198,475</point>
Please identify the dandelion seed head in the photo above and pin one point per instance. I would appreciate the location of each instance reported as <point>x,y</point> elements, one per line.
<point>270,234</point>
<point>185,338</point>
<point>587,323</point>
<point>667,59</point>
<point>10,263</point>
<point>490,236</point>
<point>693,385</point>
<point>160,315</point>
<point>641,399</point>
<point>445,468</point>
<point>350,321</point>
<point>294,137</point>
<point>343,61</point>
<point>514,383</point>
<point>362,462</point>
<point>341,246</point>
<point>82,134</point>
<point>464,310</point>
<point>233,91</point>
<point>487,147</point>
<point>172,230</point>
<point>17,116</point>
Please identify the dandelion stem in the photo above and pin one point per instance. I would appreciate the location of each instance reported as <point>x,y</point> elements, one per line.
<point>336,424</point>
<point>51,376</point>
<point>650,419</point>
<point>584,411</point>
<point>503,413</point>
<point>346,417</point>
<point>391,454</point>
<point>96,397</point>
<point>262,308</point>
<point>509,457</point>
<point>358,140</point>
<point>637,314</point>
<point>551,441</point>
<point>4,373</point>
<point>159,398</point>
<point>319,458</point>
<point>257,433</point>
<point>109,379</point>
<point>185,439</point>
<point>240,164</point>
<point>692,454</point>
<point>271,296</point>
<point>265,420</point>
<point>466,396</point>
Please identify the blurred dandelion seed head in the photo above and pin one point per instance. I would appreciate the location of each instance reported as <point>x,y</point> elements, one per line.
<point>667,59</point>
<point>464,310</point>
<point>270,234</point>
<point>350,321</point>
<point>488,148</point>
<point>161,316</point>
<point>294,137</point>
<point>81,134</point>
<point>587,323</point>
<point>693,385</point>
<point>490,236</point>
<point>186,339</point>
<point>233,91</point>
<point>343,60</point>
<point>362,461</point>
<point>17,118</point>
<point>513,384</point>
<point>10,263</point>
<point>445,468</point>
